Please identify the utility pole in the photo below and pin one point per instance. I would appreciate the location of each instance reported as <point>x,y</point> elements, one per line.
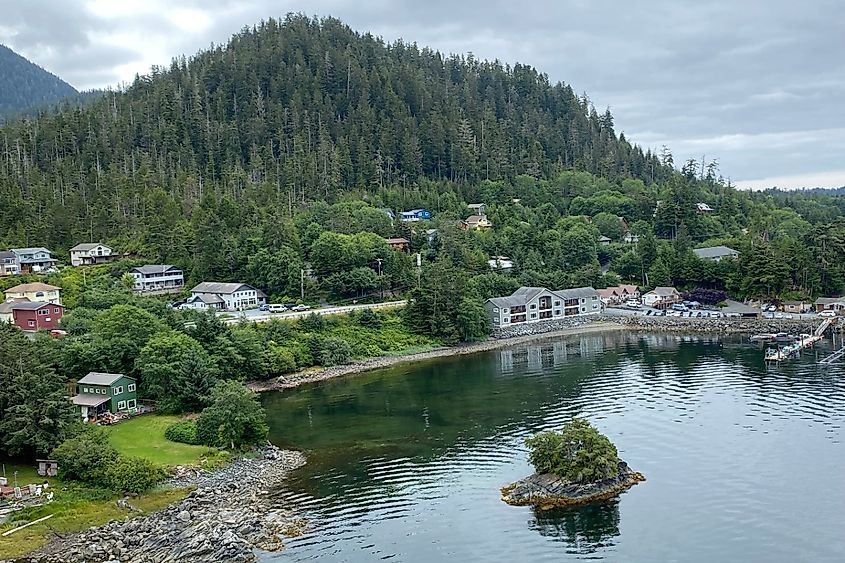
<point>302,283</point>
<point>419,269</point>
<point>380,280</point>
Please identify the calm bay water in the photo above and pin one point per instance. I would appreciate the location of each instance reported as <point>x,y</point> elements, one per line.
<point>743,464</point>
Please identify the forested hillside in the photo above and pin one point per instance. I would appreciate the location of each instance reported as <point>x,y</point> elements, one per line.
<point>278,150</point>
<point>25,85</point>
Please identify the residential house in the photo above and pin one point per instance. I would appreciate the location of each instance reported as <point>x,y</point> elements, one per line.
<point>476,222</point>
<point>8,263</point>
<point>537,304</point>
<point>662,297</point>
<point>159,278</point>
<point>477,208</point>
<point>630,238</point>
<point>36,291</point>
<point>715,253</point>
<point>605,241</point>
<point>389,212</point>
<point>33,259</point>
<point>32,316</point>
<point>619,294</point>
<point>6,308</point>
<point>502,263</point>
<point>226,296</point>
<point>415,215</point>
<point>399,243</point>
<point>703,208</point>
<point>836,304</point>
<point>431,234</point>
<point>98,393</point>
<point>798,306</point>
<point>89,253</point>
<point>609,296</point>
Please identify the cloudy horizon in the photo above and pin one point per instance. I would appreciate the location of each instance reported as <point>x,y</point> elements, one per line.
<point>757,86</point>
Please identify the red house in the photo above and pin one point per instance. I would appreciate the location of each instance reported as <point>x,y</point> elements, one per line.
<point>37,315</point>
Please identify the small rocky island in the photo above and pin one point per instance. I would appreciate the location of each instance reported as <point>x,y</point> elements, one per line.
<point>576,465</point>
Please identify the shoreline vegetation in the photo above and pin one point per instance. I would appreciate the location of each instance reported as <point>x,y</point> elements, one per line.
<point>579,327</point>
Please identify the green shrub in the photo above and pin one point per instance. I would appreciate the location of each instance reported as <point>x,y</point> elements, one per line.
<point>184,431</point>
<point>578,453</point>
<point>86,457</point>
<point>133,474</point>
<point>335,351</point>
<point>235,417</point>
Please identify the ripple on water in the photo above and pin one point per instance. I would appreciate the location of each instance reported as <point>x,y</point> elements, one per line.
<point>406,463</point>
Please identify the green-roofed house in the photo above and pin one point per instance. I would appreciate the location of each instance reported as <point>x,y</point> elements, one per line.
<point>98,393</point>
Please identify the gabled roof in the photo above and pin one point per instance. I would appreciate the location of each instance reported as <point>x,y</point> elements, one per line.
<point>829,300</point>
<point>31,287</point>
<point>154,268</point>
<point>608,292</point>
<point>32,305</point>
<point>90,400</point>
<point>6,254</point>
<point>576,292</point>
<point>524,295</point>
<point>86,246</point>
<point>630,288</point>
<point>30,250</point>
<point>476,218</point>
<point>220,287</point>
<point>96,378</point>
<point>664,291</point>
<point>207,298</point>
<point>715,252</point>
<point>605,239</point>
<point>397,240</point>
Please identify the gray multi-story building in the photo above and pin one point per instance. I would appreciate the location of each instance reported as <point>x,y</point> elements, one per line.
<point>538,304</point>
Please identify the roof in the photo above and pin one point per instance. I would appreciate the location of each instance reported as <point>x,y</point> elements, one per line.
<point>609,292</point>
<point>605,239</point>
<point>397,240</point>
<point>30,250</point>
<point>85,246</point>
<point>32,287</point>
<point>793,302</point>
<point>7,254</point>
<point>630,288</point>
<point>220,287</point>
<point>90,400</point>
<point>32,305</point>
<point>829,300</point>
<point>95,378</point>
<point>6,306</point>
<point>524,295</point>
<point>576,292</point>
<point>664,291</point>
<point>715,252</point>
<point>153,268</point>
<point>476,218</point>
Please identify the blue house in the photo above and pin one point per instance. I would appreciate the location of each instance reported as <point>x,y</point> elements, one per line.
<point>415,215</point>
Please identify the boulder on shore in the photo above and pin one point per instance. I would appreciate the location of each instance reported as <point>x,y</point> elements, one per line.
<point>548,491</point>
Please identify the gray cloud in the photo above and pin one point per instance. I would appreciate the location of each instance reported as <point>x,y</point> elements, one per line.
<point>757,84</point>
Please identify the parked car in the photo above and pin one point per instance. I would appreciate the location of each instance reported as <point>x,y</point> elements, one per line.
<point>779,315</point>
<point>264,307</point>
<point>300,308</point>
<point>769,315</point>
<point>827,313</point>
<point>633,304</point>
<point>679,307</point>
<point>277,308</point>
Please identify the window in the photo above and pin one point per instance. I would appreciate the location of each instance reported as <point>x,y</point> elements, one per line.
<point>595,297</point>
<point>583,300</point>
<point>533,305</point>
<point>557,303</point>
<point>44,312</point>
<point>495,309</point>
<point>130,387</point>
<point>56,311</point>
<point>121,405</point>
<point>533,315</point>
<point>506,320</point>
<point>583,309</point>
<point>31,323</point>
<point>117,390</point>
<point>557,312</point>
<point>505,310</point>
<point>130,404</point>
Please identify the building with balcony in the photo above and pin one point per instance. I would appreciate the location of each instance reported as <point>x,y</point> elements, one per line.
<point>537,304</point>
<point>36,259</point>
<point>36,291</point>
<point>90,253</point>
<point>157,278</point>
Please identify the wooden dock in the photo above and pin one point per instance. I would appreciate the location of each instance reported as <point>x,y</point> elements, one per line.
<point>806,341</point>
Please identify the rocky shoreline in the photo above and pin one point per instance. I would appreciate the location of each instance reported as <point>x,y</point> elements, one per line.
<point>546,331</point>
<point>226,518</point>
<point>548,491</point>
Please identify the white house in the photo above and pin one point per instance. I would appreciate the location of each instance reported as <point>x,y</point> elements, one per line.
<point>630,238</point>
<point>226,296</point>
<point>89,253</point>
<point>158,278</point>
<point>537,304</point>
<point>37,259</point>
<point>500,263</point>
<point>662,297</point>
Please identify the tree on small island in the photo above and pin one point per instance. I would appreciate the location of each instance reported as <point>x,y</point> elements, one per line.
<point>575,465</point>
<point>578,453</point>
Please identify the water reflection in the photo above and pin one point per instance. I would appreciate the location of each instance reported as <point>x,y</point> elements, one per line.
<point>584,529</point>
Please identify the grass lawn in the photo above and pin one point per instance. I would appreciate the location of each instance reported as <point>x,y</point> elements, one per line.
<point>75,510</point>
<point>143,436</point>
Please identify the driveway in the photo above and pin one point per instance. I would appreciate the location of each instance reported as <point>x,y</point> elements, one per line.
<point>256,316</point>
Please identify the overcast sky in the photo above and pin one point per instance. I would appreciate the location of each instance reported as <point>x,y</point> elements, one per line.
<point>758,84</point>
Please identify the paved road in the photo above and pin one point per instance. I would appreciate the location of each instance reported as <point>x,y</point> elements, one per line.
<point>254,315</point>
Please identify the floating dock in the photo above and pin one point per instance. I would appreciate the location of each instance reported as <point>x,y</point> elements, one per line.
<point>805,341</point>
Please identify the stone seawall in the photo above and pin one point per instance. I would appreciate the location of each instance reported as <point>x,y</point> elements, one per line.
<point>723,325</point>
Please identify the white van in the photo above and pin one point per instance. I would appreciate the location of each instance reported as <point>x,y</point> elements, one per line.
<point>277,308</point>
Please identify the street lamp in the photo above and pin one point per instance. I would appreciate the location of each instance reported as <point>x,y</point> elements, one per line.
<point>381,281</point>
